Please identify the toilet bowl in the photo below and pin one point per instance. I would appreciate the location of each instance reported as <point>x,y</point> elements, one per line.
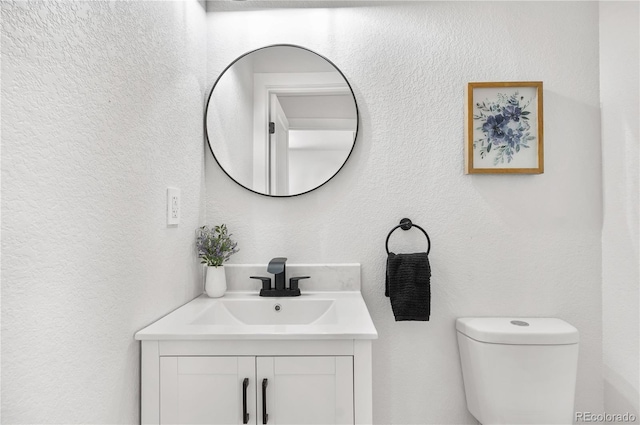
<point>519,371</point>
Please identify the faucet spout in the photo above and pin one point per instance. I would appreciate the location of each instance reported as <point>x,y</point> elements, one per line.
<point>277,266</point>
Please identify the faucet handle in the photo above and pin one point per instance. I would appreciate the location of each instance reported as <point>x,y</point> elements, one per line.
<point>293,282</point>
<point>266,282</point>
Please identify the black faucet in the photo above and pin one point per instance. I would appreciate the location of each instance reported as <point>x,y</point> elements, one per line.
<point>278,266</point>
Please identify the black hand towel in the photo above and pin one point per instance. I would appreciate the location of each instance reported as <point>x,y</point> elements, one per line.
<point>408,285</point>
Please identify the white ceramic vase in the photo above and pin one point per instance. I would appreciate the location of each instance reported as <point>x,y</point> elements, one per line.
<point>216,281</point>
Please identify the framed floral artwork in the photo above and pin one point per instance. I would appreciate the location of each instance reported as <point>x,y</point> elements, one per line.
<point>504,128</point>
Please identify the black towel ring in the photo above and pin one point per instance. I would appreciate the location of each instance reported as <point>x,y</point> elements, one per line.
<point>406,224</point>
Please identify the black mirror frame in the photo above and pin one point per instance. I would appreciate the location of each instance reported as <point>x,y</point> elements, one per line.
<point>206,133</point>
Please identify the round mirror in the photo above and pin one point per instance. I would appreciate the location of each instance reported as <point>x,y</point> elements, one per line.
<point>281,120</point>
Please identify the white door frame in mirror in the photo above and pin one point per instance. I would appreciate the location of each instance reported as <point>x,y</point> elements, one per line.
<point>307,83</point>
<point>278,158</point>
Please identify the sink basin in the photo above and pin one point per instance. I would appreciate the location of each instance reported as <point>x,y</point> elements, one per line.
<point>244,315</point>
<point>294,311</point>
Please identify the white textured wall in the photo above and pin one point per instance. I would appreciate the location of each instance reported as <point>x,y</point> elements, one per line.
<point>102,107</point>
<point>620,102</point>
<point>502,245</point>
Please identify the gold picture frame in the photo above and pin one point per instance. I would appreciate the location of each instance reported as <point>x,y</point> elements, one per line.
<point>504,128</point>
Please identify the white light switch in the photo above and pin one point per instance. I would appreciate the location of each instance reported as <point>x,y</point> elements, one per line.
<point>173,206</point>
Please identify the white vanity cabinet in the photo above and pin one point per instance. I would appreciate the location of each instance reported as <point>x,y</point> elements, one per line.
<point>305,382</point>
<point>312,352</point>
<point>221,390</point>
<point>205,390</point>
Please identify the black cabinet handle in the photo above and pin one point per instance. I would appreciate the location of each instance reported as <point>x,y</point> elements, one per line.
<point>265,416</point>
<point>245,415</point>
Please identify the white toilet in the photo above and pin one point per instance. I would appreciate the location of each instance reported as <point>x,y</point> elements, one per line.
<point>519,371</point>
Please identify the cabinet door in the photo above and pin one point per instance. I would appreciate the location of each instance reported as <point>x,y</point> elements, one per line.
<point>306,390</point>
<point>206,390</point>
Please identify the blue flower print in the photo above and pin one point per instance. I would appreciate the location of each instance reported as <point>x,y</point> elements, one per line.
<point>512,137</point>
<point>504,126</point>
<point>512,113</point>
<point>494,127</point>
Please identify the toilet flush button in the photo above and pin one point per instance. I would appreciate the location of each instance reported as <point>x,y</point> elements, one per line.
<point>519,323</point>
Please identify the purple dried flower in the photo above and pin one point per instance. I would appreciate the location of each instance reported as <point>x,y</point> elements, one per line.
<point>215,245</point>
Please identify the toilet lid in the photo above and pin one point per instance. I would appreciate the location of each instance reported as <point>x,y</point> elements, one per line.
<point>518,331</point>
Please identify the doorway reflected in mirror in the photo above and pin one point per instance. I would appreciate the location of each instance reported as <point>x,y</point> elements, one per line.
<point>281,120</point>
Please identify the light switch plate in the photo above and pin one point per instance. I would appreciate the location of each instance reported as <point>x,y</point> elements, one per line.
<point>173,206</point>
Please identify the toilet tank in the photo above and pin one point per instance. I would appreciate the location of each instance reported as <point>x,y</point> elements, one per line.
<point>519,371</point>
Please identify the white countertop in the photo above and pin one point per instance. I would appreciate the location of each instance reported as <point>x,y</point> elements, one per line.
<point>347,318</point>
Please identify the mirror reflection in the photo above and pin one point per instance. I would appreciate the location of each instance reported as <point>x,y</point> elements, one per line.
<point>281,120</point>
